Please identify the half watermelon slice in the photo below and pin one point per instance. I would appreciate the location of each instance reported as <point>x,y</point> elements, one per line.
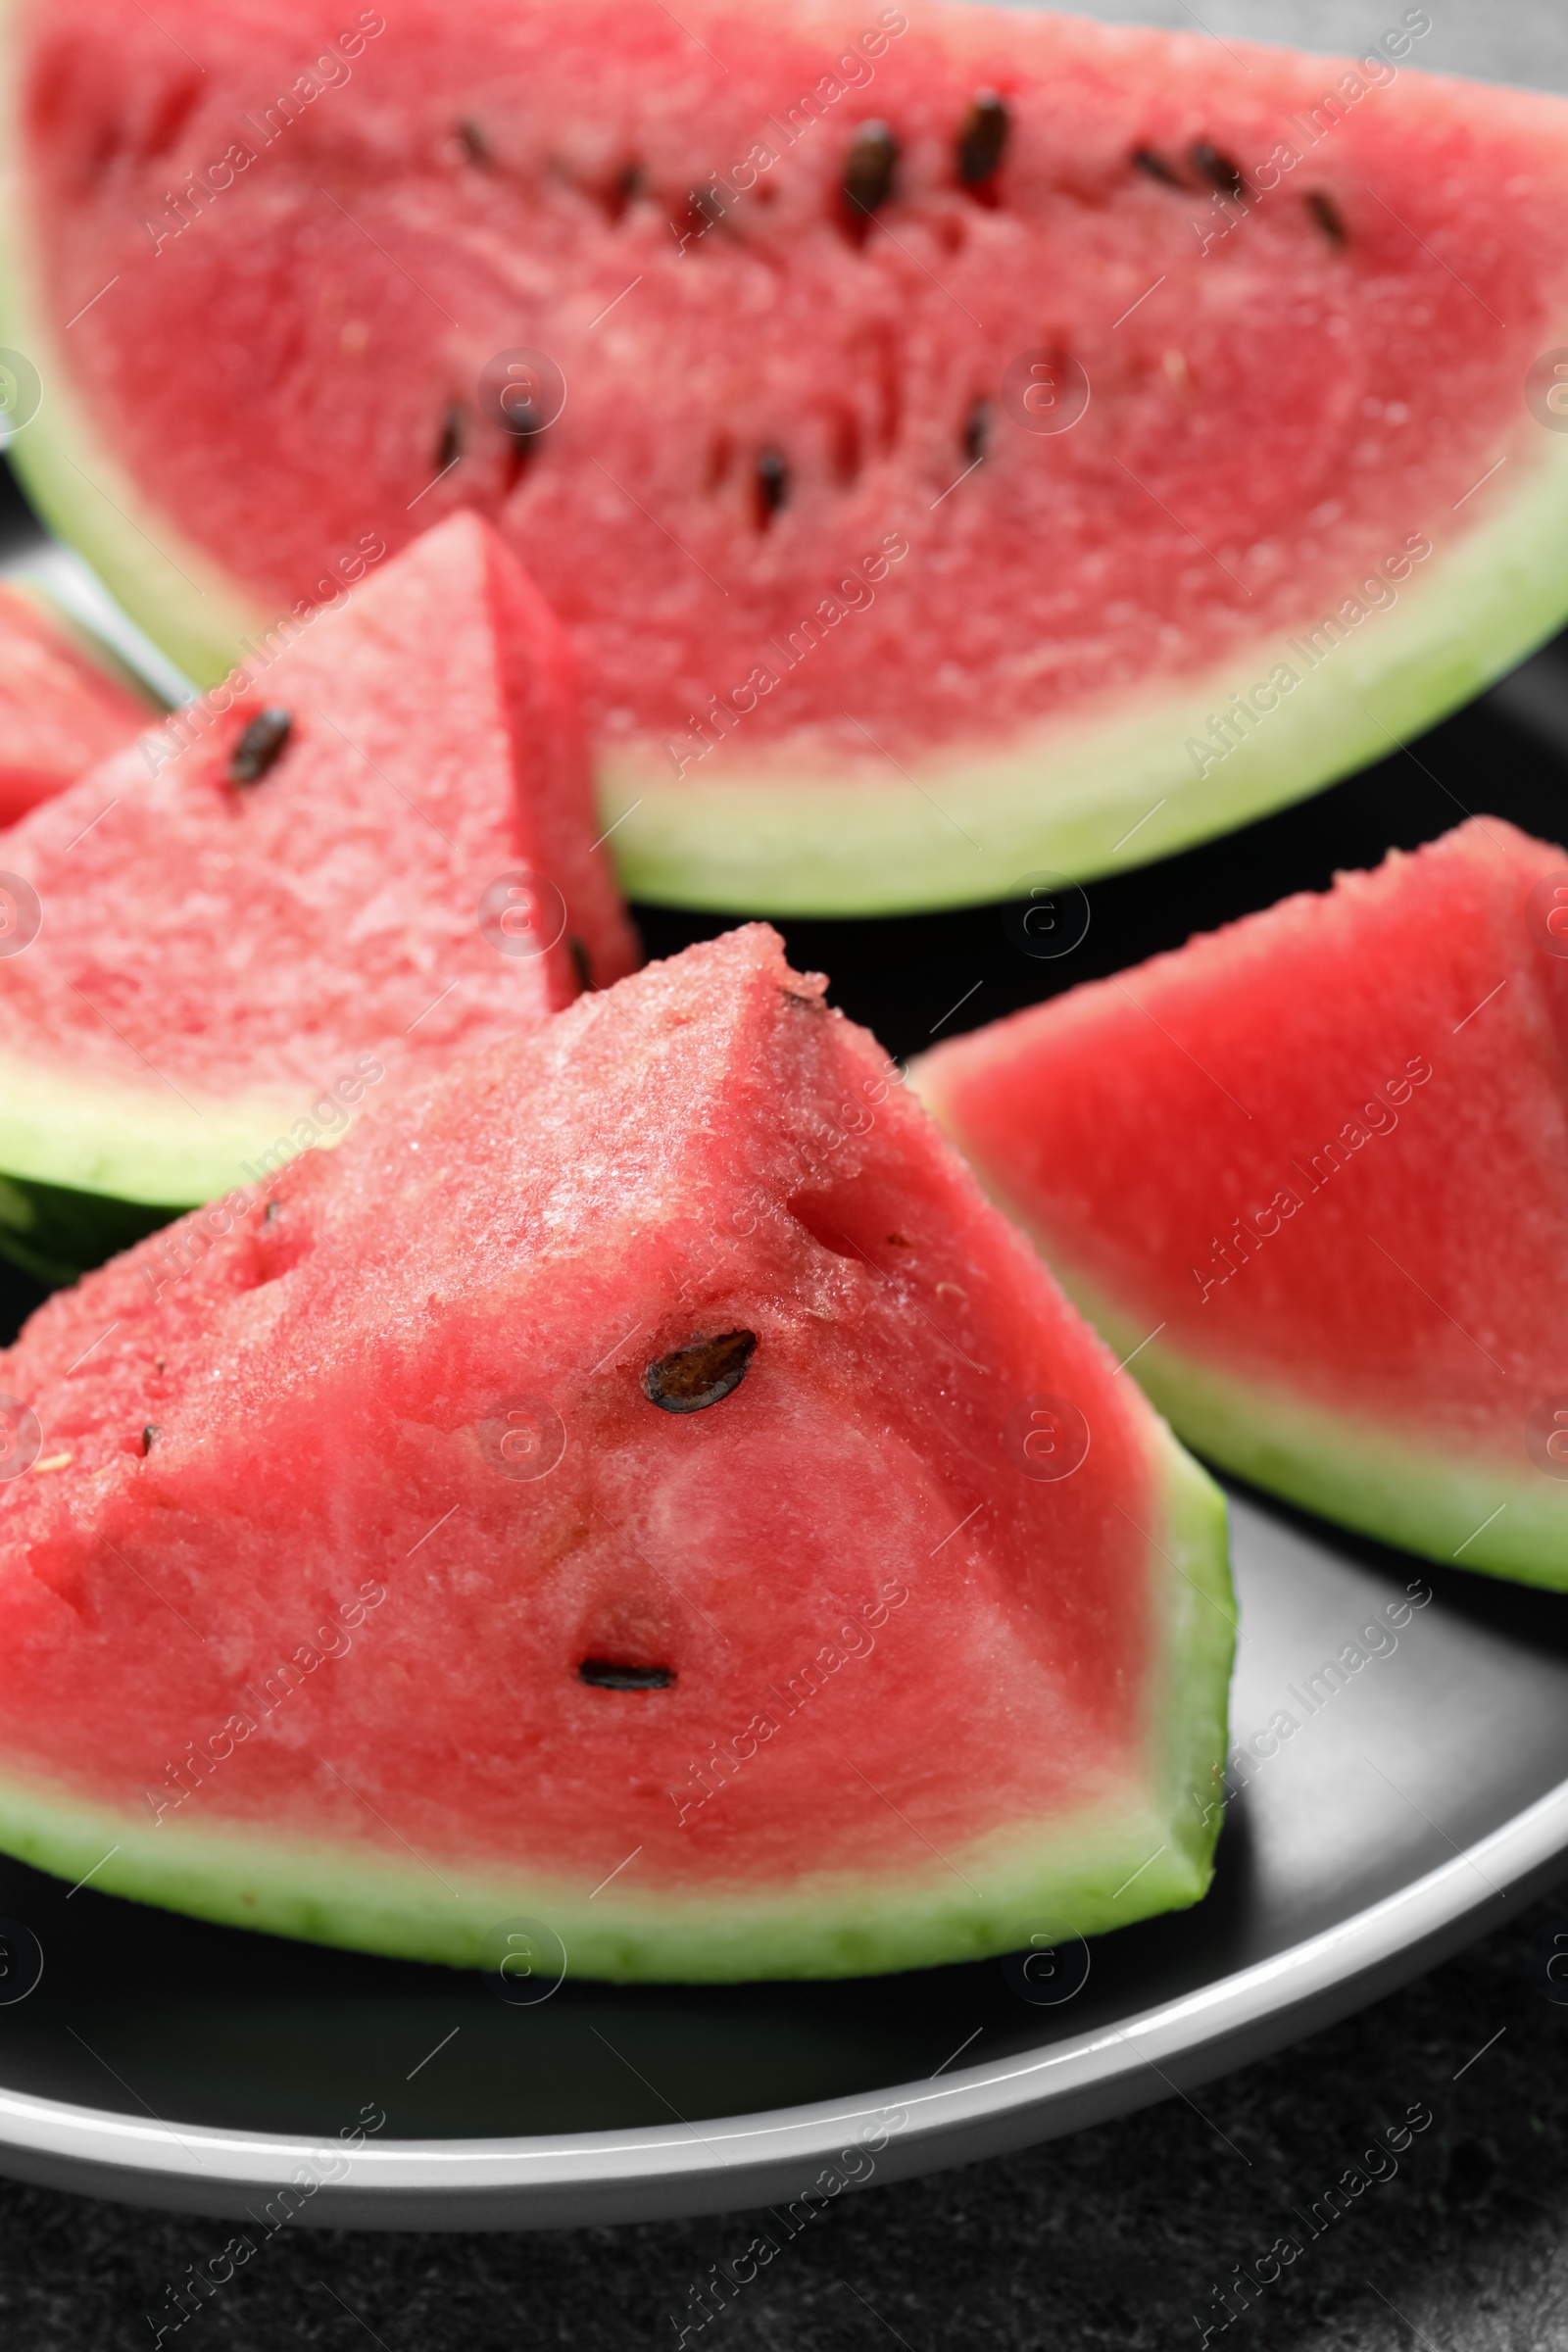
<point>64,701</point>
<point>1314,1171</point>
<point>959,442</point>
<point>638,1497</point>
<point>370,848</point>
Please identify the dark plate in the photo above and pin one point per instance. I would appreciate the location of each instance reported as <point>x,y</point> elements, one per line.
<point>200,2067</point>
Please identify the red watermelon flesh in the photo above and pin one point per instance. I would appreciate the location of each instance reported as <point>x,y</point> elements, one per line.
<point>215,955</point>
<point>1319,1163</point>
<point>804,1676</point>
<point>61,712</point>
<point>815,567</point>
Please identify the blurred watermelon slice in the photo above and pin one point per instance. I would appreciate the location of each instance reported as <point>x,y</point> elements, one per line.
<point>855,634</point>
<point>370,848</point>
<point>64,701</point>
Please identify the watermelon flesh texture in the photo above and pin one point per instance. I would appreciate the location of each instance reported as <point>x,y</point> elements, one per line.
<point>1319,1162</point>
<point>222,968</point>
<point>62,707</point>
<point>805,1679</point>
<point>851,637</point>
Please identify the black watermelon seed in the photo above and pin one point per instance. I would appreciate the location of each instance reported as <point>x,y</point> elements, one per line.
<point>700,1375</point>
<point>1218,169</point>
<point>976,431</point>
<point>632,183</point>
<point>471,139</point>
<point>707,207</point>
<point>1146,160</point>
<point>260,745</point>
<point>272,1210</point>
<point>772,485</point>
<point>1325,213</point>
<point>148,1435</point>
<point>982,137</point>
<point>580,964</point>
<point>453,433</point>
<point>608,1674</point>
<point>868,173</point>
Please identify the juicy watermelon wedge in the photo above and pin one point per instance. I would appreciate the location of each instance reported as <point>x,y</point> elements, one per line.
<point>1317,1164</point>
<point>227,934</point>
<point>854,634</point>
<point>638,1487</point>
<point>64,703</point>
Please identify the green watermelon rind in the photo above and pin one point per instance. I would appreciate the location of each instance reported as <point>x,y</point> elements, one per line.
<point>1108,1866</point>
<point>1123,788</point>
<point>1437,1502</point>
<point>129,1144</point>
<point>1111,787</point>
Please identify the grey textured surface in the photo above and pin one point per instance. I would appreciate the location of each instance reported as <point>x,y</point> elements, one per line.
<point>1495,40</point>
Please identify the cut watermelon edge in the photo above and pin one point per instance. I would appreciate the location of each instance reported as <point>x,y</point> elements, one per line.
<point>1113,1863</point>
<point>1111,787</point>
<point>1435,1502</point>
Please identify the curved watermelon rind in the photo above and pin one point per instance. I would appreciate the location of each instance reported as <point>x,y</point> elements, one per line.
<point>132,1144</point>
<point>1437,1503</point>
<point>1110,1865</point>
<point>1117,786</point>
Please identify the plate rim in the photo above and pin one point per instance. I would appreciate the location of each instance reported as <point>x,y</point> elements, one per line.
<point>736,2162</point>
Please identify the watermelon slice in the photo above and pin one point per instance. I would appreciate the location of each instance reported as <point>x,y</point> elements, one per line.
<point>1314,1169</point>
<point>740,319</point>
<point>370,848</point>
<point>64,703</point>
<point>638,1495</point>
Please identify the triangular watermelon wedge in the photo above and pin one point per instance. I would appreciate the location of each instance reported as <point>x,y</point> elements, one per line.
<point>637,1486</point>
<point>752,325</point>
<point>64,701</point>
<point>1314,1168</point>
<point>311,882</point>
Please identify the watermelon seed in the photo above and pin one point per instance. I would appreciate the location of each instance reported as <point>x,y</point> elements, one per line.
<point>580,964</point>
<point>606,1674</point>
<point>170,119</point>
<point>272,1210</point>
<point>976,430</point>
<point>868,173</point>
<point>260,745</point>
<point>982,137</point>
<point>471,139</point>
<point>845,439</point>
<point>151,1431</point>
<point>706,208</point>
<point>520,449</point>
<point>1218,169</point>
<point>704,1374</point>
<point>1146,160</point>
<point>454,434</point>
<point>1325,213</point>
<point>629,183</point>
<point>772,485</point>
